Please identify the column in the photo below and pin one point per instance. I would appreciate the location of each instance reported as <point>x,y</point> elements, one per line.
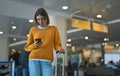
<point>103,53</point>
<point>61,24</point>
<point>4,48</point>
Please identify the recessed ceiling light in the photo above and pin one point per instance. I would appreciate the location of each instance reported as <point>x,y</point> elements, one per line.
<point>99,16</point>
<point>31,20</point>
<point>14,39</point>
<point>68,44</point>
<point>65,7</point>
<point>1,32</point>
<point>117,44</point>
<point>13,27</point>
<point>69,40</point>
<point>106,39</point>
<point>104,44</point>
<point>86,37</point>
<point>27,35</point>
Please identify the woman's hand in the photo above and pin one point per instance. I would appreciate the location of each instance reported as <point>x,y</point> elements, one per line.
<point>62,51</point>
<point>38,42</point>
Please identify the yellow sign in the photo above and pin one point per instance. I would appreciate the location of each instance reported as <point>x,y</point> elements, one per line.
<point>108,48</point>
<point>100,27</point>
<point>83,24</point>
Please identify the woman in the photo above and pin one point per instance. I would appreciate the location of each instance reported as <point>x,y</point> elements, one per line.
<point>41,42</point>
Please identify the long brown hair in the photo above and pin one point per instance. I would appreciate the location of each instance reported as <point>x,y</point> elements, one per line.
<point>42,12</point>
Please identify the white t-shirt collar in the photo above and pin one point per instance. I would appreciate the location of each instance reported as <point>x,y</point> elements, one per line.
<point>40,27</point>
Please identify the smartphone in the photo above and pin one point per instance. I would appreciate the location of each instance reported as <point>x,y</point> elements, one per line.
<point>38,40</point>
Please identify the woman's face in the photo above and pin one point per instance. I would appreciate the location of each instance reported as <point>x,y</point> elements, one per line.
<point>41,20</point>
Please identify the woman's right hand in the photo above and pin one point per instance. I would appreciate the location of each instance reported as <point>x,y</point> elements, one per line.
<point>38,42</point>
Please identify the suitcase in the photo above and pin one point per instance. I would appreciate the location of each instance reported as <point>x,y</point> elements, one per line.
<point>7,68</point>
<point>56,66</point>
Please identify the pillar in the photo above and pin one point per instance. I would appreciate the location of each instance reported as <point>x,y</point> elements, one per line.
<point>4,48</point>
<point>103,53</point>
<point>61,24</point>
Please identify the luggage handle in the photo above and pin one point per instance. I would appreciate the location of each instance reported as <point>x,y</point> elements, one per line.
<point>63,61</point>
<point>59,51</point>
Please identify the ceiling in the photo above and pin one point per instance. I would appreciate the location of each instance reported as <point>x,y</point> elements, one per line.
<point>17,12</point>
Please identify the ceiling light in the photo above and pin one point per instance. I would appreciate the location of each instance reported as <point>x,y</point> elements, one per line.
<point>31,20</point>
<point>117,44</point>
<point>13,27</point>
<point>27,35</point>
<point>65,7</point>
<point>69,40</point>
<point>104,44</point>
<point>1,32</point>
<point>68,44</point>
<point>99,16</point>
<point>14,39</point>
<point>86,37</point>
<point>106,39</point>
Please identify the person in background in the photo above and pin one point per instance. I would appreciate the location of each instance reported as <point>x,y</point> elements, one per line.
<point>111,65</point>
<point>74,62</point>
<point>23,62</point>
<point>41,41</point>
<point>15,57</point>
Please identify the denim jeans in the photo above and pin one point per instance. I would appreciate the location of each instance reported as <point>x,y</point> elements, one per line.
<point>74,68</point>
<point>39,68</point>
<point>25,72</point>
<point>17,71</point>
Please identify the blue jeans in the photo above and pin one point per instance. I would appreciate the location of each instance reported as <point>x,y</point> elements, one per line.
<point>17,70</point>
<point>39,68</point>
<point>25,72</point>
<point>74,67</point>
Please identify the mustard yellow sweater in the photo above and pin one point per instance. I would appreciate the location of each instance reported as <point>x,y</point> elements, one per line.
<point>50,40</point>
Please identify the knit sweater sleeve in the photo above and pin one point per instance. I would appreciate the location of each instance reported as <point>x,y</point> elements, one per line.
<point>57,41</point>
<point>30,45</point>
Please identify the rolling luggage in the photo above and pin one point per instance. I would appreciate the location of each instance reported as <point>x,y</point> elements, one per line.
<point>56,65</point>
<point>7,68</point>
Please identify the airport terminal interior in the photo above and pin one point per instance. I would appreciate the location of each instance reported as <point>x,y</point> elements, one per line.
<point>88,28</point>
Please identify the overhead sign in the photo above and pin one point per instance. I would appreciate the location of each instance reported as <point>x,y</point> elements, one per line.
<point>108,48</point>
<point>79,23</point>
<point>100,27</point>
